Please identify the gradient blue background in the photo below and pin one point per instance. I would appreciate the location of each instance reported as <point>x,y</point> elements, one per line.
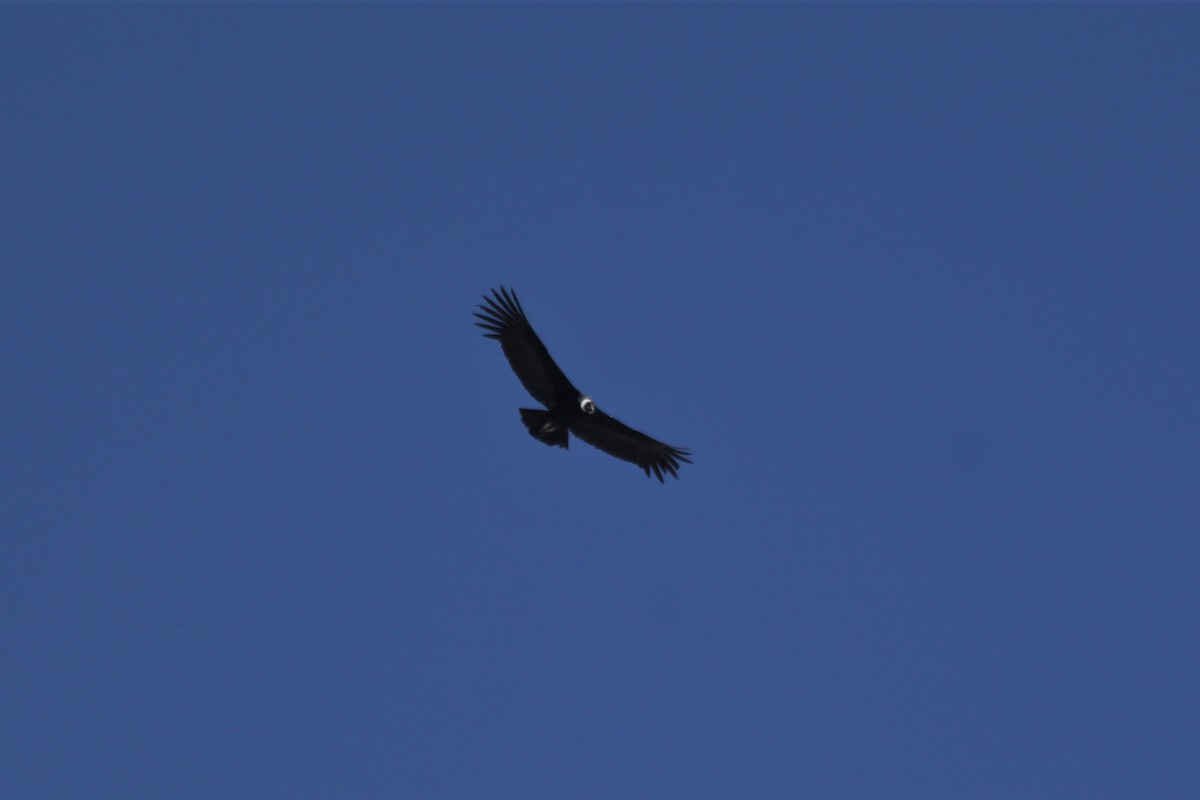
<point>919,285</point>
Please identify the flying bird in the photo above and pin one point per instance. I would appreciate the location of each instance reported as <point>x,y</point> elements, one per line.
<point>567,408</point>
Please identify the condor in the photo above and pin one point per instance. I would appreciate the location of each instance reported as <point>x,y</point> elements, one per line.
<point>567,409</point>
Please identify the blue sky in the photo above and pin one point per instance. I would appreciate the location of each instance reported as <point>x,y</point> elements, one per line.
<point>918,284</point>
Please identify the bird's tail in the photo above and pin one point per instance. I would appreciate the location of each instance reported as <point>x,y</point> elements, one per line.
<point>542,428</point>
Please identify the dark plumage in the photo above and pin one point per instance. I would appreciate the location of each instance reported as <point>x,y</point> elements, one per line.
<point>567,408</point>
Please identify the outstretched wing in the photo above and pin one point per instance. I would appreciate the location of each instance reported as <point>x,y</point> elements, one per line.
<point>617,439</point>
<point>504,319</point>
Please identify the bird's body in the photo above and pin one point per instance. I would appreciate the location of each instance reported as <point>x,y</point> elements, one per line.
<point>567,408</point>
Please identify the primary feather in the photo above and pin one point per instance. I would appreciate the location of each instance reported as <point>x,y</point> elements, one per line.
<point>504,319</point>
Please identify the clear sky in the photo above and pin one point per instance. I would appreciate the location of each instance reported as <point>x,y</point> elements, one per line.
<point>919,285</point>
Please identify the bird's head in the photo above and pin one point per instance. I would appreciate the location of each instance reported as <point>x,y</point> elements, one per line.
<point>586,405</point>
